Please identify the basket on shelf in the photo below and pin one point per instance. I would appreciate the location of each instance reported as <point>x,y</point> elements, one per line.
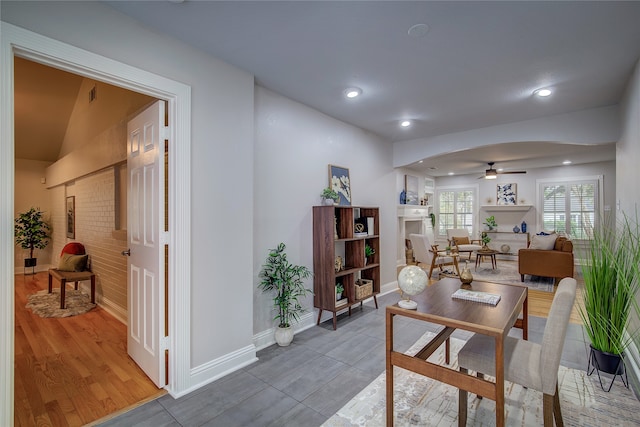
<point>364,288</point>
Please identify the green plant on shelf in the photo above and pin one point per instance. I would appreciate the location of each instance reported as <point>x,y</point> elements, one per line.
<point>491,222</point>
<point>369,251</point>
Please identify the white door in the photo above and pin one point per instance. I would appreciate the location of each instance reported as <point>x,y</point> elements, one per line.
<point>145,221</point>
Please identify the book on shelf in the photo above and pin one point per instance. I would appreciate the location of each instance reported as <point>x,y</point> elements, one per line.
<point>476,296</point>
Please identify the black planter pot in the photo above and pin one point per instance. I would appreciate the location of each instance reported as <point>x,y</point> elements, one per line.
<point>601,361</point>
<point>607,362</point>
<point>30,262</point>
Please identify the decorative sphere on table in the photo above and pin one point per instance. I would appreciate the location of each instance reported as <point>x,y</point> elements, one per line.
<point>412,280</point>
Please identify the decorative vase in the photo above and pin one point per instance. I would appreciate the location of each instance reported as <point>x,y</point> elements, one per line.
<point>523,227</point>
<point>403,198</point>
<point>516,229</point>
<point>465,275</point>
<point>328,202</point>
<point>284,336</point>
<point>339,296</point>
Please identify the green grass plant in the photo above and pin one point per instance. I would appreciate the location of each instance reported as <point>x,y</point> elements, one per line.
<point>611,281</point>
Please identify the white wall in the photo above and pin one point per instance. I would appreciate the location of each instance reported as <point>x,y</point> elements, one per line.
<point>628,172</point>
<point>222,158</point>
<point>294,145</point>
<point>31,192</point>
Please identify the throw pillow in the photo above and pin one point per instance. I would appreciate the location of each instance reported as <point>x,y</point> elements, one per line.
<point>70,262</point>
<point>545,243</point>
<point>461,241</point>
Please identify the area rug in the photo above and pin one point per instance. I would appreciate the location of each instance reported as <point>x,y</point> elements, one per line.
<point>420,401</point>
<point>48,304</point>
<point>506,272</point>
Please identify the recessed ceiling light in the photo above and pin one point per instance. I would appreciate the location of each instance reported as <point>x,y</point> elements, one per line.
<point>500,169</point>
<point>566,162</point>
<point>405,123</point>
<point>421,161</point>
<point>352,92</point>
<point>542,93</point>
<point>451,173</point>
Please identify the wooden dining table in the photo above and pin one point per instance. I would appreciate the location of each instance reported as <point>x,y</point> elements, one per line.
<point>436,305</point>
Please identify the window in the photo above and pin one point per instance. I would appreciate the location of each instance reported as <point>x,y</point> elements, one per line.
<point>456,209</point>
<point>570,207</point>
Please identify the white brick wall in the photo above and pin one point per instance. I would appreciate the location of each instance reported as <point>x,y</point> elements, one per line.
<point>95,222</point>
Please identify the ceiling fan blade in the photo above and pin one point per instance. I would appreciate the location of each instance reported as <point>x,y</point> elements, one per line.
<point>504,173</point>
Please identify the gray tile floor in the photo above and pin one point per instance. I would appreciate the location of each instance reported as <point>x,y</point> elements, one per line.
<point>306,383</point>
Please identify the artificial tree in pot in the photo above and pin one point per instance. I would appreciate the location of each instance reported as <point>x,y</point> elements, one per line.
<point>286,280</point>
<point>31,232</point>
<point>611,282</point>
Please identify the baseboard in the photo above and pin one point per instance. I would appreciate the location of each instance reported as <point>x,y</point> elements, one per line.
<point>109,306</point>
<point>218,368</point>
<point>633,359</point>
<point>39,269</point>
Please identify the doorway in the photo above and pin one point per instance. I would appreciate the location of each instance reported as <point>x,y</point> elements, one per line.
<point>76,363</point>
<point>16,41</point>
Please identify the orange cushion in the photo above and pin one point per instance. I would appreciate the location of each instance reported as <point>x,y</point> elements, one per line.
<point>461,240</point>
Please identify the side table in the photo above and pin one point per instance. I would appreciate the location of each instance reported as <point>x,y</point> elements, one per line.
<point>480,255</point>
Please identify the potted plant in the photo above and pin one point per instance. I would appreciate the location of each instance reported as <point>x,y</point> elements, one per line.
<point>611,282</point>
<point>286,280</point>
<point>433,220</point>
<point>491,223</point>
<point>31,232</point>
<point>329,196</point>
<point>339,291</point>
<point>485,240</point>
<point>368,253</point>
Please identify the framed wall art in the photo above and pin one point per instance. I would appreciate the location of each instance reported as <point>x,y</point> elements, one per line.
<point>71,217</point>
<point>411,189</point>
<point>339,181</point>
<point>506,194</point>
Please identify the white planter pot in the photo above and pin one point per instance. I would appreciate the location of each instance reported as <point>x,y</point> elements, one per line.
<point>328,202</point>
<point>284,336</point>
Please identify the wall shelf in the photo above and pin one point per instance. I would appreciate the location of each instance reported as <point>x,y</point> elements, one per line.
<point>506,208</point>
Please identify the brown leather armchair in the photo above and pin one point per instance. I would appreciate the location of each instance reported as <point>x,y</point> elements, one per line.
<point>556,263</point>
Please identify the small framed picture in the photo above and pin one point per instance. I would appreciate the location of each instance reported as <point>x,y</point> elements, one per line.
<point>506,194</point>
<point>340,183</point>
<point>71,217</point>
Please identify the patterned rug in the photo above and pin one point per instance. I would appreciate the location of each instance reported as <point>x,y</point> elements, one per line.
<point>505,272</point>
<point>48,304</point>
<point>420,401</point>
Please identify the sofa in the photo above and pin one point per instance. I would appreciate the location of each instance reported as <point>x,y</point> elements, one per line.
<point>547,256</point>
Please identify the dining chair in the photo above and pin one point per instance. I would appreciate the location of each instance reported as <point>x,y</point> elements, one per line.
<point>427,253</point>
<point>526,363</point>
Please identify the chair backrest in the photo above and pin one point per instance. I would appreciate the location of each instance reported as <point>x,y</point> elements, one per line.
<point>457,232</point>
<point>421,244</point>
<point>73,248</point>
<point>555,332</point>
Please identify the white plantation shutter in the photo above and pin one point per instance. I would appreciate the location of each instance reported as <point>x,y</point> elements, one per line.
<point>570,207</point>
<point>456,209</point>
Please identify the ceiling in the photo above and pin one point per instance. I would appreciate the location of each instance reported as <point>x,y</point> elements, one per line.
<point>476,66</point>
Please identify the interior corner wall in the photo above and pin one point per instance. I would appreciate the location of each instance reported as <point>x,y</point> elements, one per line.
<point>294,145</point>
<point>30,192</point>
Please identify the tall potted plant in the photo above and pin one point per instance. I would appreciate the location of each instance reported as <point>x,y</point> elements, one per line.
<point>286,281</point>
<point>31,232</point>
<point>611,281</point>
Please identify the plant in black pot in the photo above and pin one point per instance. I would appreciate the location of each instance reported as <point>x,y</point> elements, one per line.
<point>31,232</point>
<point>611,281</point>
<point>286,281</point>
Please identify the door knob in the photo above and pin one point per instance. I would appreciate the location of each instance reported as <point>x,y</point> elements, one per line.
<point>127,252</point>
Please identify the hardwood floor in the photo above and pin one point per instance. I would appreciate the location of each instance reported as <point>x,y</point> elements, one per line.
<point>71,371</point>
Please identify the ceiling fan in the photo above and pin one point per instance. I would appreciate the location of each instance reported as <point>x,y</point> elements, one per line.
<point>491,173</point>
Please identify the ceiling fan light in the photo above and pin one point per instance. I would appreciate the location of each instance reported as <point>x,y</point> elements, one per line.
<point>490,174</point>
